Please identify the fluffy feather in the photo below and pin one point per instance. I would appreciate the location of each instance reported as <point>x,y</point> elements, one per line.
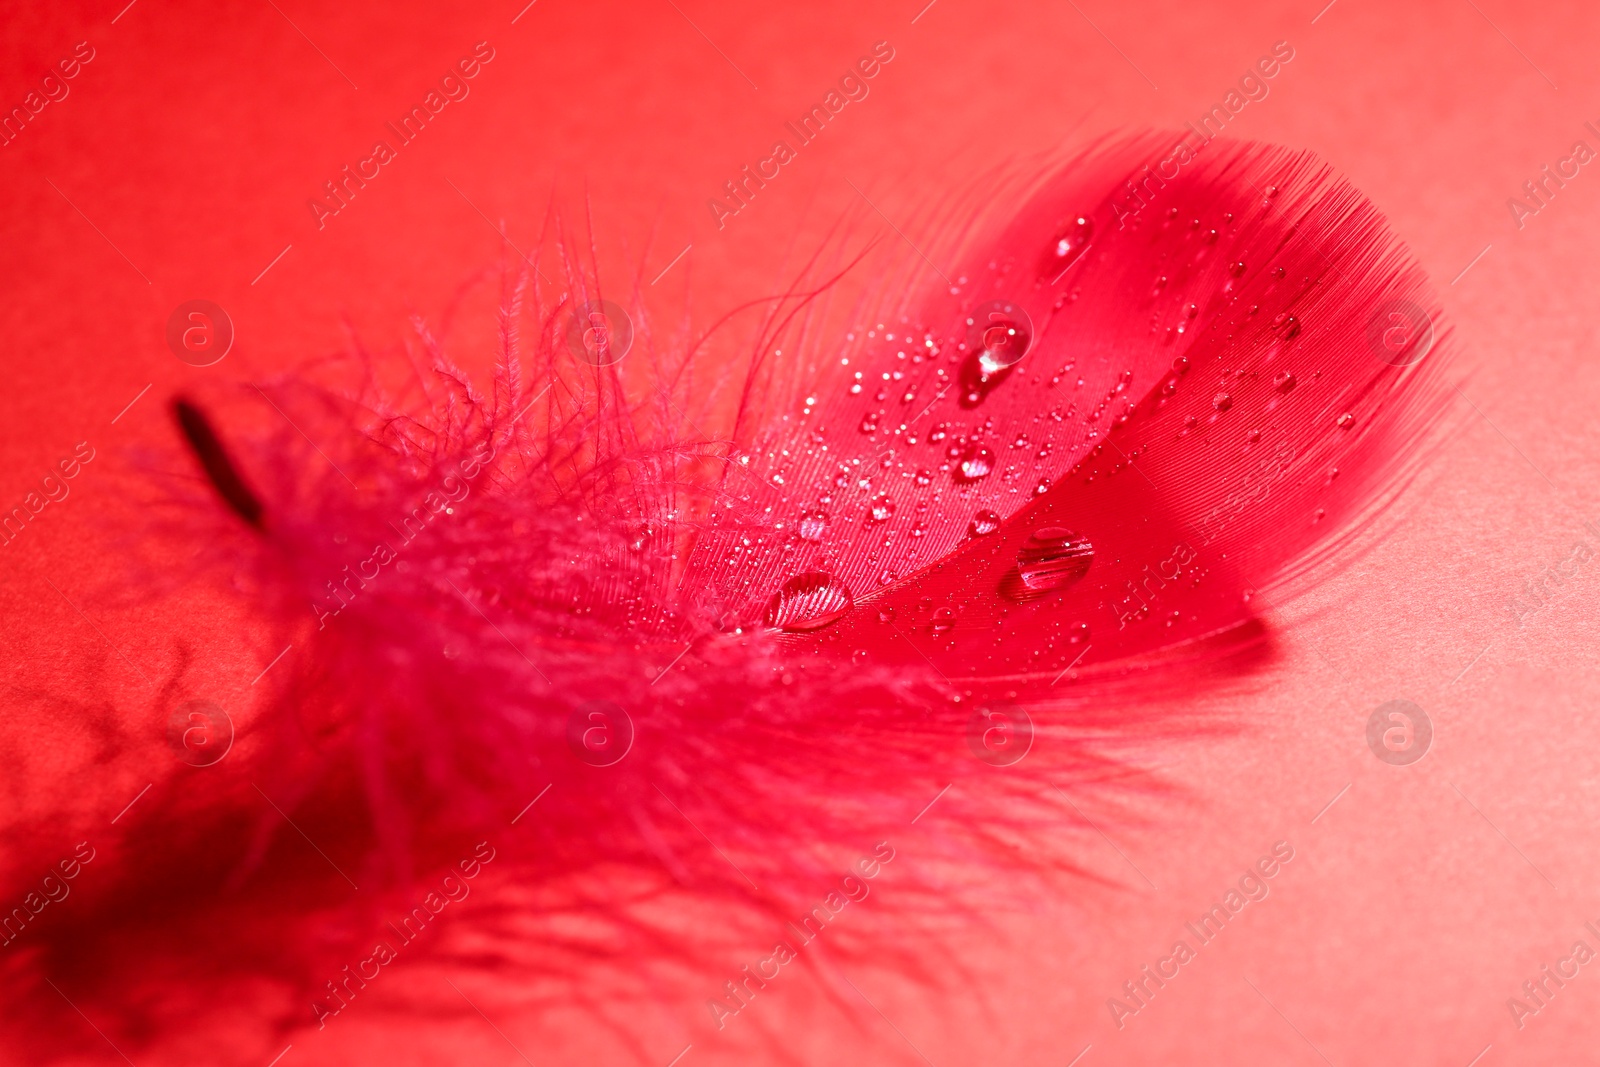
<point>810,626</point>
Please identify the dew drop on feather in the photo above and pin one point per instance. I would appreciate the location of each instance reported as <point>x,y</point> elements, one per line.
<point>808,602</point>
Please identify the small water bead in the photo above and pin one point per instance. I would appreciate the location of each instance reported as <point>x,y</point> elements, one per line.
<point>808,602</point>
<point>1222,401</point>
<point>813,525</point>
<point>924,477</point>
<point>1042,487</point>
<point>1284,381</point>
<point>869,424</point>
<point>1346,421</point>
<point>1070,243</point>
<point>1287,325</point>
<point>943,621</point>
<point>984,523</point>
<point>1078,633</point>
<point>880,510</point>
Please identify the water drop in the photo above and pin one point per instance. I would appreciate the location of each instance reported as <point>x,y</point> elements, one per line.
<point>1070,243</point>
<point>1052,559</point>
<point>984,523</point>
<point>924,477</point>
<point>808,602</point>
<point>881,509</point>
<point>999,334</point>
<point>1346,421</point>
<point>1222,401</point>
<point>813,525</point>
<point>943,621</point>
<point>1284,381</point>
<point>976,463</point>
<point>869,424</point>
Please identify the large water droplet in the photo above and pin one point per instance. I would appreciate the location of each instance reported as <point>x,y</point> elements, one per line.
<point>943,621</point>
<point>977,463</point>
<point>984,523</point>
<point>999,334</point>
<point>813,525</point>
<point>808,602</point>
<point>1051,559</point>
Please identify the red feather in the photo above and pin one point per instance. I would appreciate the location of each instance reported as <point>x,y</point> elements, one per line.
<point>1009,512</point>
